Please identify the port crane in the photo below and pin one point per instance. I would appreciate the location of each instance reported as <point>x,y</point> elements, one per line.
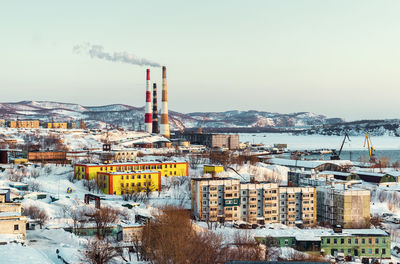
<point>337,156</point>
<point>371,149</point>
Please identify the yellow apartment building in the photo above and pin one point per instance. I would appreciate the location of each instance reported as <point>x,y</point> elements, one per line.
<point>128,182</point>
<point>58,125</point>
<point>24,124</point>
<point>167,168</point>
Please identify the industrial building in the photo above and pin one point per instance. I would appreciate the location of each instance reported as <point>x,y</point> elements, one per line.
<point>167,168</point>
<point>225,141</point>
<point>341,205</point>
<point>226,199</point>
<point>59,157</point>
<point>129,182</point>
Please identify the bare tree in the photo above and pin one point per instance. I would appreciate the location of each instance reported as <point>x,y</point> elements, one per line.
<point>104,217</point>
<point>194,161</point>
<point>14,175</point>
<point>91,185</point>
<point>99,251</point>
<point>246,248</point>
<point>36,213</point>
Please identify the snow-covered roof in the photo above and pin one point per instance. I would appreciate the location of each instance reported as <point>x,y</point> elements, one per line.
<point>366,232</point>
<point>339,173</point>
<point>316,234</point>
<point>9,214</point>
<point>311,164</point>
<point>131,172</point>
<point>130,163</point>
<point>368,173</point>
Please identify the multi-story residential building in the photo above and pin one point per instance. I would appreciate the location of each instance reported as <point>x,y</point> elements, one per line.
<point>11,221</point>
<point>128,182</point>
<point>252,202</point>
<point>259,202</point>
<point>168,168</point>
<point>216,199</point>
<point>341,205</point>
<point>57,125</point>
<point>24,124</point>
<point>364,243</point>
<point>297,206</point>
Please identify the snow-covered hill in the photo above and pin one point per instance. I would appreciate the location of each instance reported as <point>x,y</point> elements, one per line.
<point>132,117</point>
<point>387,127</point>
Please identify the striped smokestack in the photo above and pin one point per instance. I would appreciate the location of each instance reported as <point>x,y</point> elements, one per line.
<point>164,126</point>
<point>155,113</point>
<point>147,109</point>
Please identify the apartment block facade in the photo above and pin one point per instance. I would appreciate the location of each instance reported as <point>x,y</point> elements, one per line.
<point>118,183</point>
<point>167,168</point>
<point>340,205</point>
<point>226,199</point>
<point>216,200</point>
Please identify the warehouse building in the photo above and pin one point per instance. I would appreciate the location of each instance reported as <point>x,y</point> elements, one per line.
<point>227,141</point>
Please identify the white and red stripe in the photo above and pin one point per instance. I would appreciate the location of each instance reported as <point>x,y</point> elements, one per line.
<point>148,121</point>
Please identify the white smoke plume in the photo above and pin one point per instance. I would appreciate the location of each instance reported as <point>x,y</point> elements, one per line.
<point>97,51</point>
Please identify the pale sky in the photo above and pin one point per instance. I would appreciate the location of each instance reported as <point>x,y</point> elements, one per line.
<point>338,58</point>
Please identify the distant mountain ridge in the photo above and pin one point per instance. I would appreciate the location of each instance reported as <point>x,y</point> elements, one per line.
<point>132,117</point>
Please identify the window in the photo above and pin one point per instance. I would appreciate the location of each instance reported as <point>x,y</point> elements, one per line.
<point>132,177</point>
<point>328,241</point>
<point>122,177</point>
<point>356,241</point>
<point>132,184</point>
<point>335,241</point>
<point>144,176</point>
<point>377,251</point>
<point>363,241</point>
<point>349,251</point>
<point>349,241</point>
<point>376,240</point>
<point>16,227</point>
<point>370,251</point>
<point>363,251</point>
<point>383,251</point>
<point>370,241</point>
<point>342,241</point>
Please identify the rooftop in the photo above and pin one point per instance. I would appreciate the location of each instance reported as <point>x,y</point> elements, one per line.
<point>129,172</point>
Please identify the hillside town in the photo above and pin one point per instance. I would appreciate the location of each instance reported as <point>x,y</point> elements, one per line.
<point>70,195</point>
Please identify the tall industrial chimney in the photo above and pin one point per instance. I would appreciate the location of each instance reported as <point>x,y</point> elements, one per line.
<point>155,112</point>
<point>164,126</point>
<point>147,109</point>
